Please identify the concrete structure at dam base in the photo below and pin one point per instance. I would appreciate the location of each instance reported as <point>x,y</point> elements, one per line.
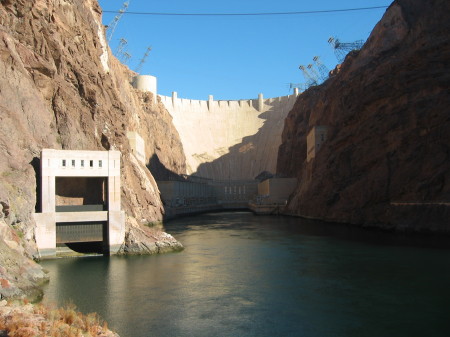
<point>80,201</point>
<point>273,194</point>
<point>196,195</point>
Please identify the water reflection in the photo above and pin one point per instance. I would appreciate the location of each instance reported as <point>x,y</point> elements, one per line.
<point>242,275</point>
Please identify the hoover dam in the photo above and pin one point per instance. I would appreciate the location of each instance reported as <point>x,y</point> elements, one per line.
<point>226,140</point>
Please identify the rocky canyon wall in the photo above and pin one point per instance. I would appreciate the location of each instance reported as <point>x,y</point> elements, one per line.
<point>386,159</point>
<point>61,88</point>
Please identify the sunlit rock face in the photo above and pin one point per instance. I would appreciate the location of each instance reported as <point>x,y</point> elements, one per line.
<point>230,139</point>
<point>60,88</point>
<point>386,159</point>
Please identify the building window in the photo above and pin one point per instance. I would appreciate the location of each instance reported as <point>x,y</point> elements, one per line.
<point>64,163</point>
<point>82,163</point>
<point>73,163</point>
<point>99,163</point>
<point>91,163</point>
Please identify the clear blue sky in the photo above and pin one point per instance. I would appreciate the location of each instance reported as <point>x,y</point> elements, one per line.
<point>235,57</point>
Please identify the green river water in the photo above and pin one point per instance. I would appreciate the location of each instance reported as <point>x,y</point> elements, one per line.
<point>246,275</point>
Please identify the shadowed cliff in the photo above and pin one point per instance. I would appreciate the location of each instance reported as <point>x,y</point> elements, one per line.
<point>386,161</point>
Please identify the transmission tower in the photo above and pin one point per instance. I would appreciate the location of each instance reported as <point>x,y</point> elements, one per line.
<point>112,26</point>
<point>121,47</point>
<point>324,72</point>
<point>310,80</point>
<point>144,58</point>
<point>314,73</point>
<point>125,57</point>
<point>341,49</point>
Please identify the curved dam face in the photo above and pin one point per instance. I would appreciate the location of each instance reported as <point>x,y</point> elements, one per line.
<point>230,140</point>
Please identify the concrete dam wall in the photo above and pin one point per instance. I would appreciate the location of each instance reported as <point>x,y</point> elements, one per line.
<point>229,140</point>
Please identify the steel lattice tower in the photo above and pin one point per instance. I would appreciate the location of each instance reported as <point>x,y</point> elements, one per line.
<point>341,49</point>
<point>112,26</point>
<point>322,69</point>
<point>121,47</point>
<point>310,80</point>
<point>144,58</point>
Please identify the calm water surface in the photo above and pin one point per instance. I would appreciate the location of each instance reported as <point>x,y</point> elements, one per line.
<point>245,275</point>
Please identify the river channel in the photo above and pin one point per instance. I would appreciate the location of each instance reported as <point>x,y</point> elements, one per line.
<point>246,275</point>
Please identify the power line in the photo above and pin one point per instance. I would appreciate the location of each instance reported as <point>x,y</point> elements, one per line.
<point>252,14</point>
<point>112,26</point>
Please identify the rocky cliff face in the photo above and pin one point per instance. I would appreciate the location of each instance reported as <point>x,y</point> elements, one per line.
<point>61,88</point>
<point>386,160</point>
<point>19,275</point>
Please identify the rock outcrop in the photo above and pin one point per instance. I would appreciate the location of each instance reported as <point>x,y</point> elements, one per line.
<point>19,275</point>
<point>60,87</point>
<point>386,160</point>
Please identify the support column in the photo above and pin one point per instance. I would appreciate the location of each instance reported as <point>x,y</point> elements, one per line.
<point>116,217</point>
<point>48,167</point>
<point>260,102</point>
<point>46,221</point>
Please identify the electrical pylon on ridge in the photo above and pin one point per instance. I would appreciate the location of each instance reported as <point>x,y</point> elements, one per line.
<point>125,58</point>
<point>323,70</point>
<point>121,47</point>
<point>121,52</point>
<point>143,59</point>
<point>310,79</point>
<point>314,73</point>
<point>112,26</point>
<point>341,49</point>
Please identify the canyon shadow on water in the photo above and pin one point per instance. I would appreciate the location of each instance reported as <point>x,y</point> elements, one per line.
<point>246,275</point>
